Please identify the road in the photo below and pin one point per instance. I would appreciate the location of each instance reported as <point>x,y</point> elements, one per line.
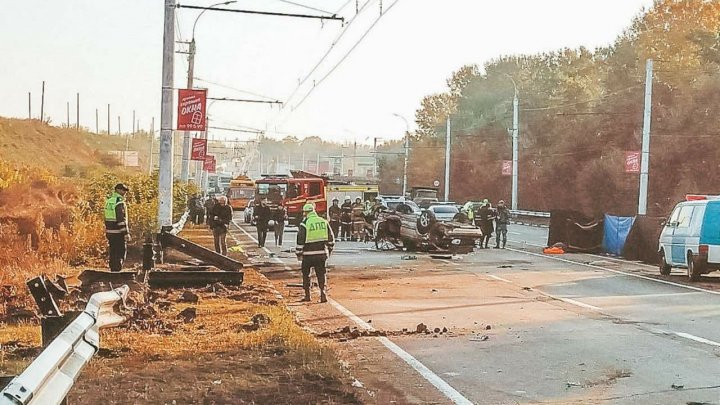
<point>570,329</point>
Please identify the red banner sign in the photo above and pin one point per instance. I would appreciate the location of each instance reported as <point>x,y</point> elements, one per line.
<point>191,110</point>
<point>632,162</point>
<point>209,164</point>
<point>199,149</point>
<point>506,168</point>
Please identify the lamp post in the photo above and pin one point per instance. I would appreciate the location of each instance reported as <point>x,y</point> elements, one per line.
<point>185,170</point>
<point>515,148</point>
<point>407,148</point>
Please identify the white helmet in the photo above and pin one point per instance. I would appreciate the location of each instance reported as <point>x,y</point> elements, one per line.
<point>347,198</point>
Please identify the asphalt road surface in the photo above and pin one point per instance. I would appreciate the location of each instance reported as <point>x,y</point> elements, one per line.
<point>568,329</point>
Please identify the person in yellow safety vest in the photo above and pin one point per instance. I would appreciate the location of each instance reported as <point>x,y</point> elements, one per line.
<point>117,230</point>
<point>315,242</point>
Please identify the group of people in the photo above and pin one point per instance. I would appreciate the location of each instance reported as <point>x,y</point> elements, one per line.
<point>216,213</point>
<point>490,220</point>
<point>348,220</point>
<point>263,214</point>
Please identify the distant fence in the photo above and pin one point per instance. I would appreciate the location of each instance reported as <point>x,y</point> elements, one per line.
<point>533,218</point>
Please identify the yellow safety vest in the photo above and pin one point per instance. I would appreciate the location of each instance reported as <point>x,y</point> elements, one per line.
<point>110,205</point>
<point>316,229</point>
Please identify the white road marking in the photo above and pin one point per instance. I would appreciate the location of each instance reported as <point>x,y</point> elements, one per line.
<point>697,339</point>
<point>447,390</point>
<point>431,377</point>
<point>499,278</point>
<point>592,266</point>
<point>449,262</point>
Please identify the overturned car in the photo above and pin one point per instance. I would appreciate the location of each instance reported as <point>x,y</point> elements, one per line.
<point>408,227</point>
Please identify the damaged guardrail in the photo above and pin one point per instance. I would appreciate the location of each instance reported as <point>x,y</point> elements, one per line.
<point>48,379</point>
<point>538,214</point>
<point>178,226</point>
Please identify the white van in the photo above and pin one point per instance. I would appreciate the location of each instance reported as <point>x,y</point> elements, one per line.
<point>691,237</point>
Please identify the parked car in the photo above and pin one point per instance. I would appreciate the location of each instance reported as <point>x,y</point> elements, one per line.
<point>249,213</point>
<point>444,212</point>
<point>413,229</point>
<point>690,238</point>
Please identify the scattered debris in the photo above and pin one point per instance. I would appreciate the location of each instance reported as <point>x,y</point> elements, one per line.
<point>570,384</point>
<point>505,266</point>
<point>527,288</point>
<point>677,387</point>
<point>190,297</point>
<point>408,257</point>
<point>479,338</point>
<point>421,327</point>
<point>256,322</point>
<point>357,384</point>
<point>488,327</point>
<point>188,314</point>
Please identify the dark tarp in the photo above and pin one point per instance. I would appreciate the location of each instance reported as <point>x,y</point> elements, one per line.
<point>642,241</point>
<point>577,231</point>
<point>616,231</point>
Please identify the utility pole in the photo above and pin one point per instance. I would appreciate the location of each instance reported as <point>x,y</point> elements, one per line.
<point>108,118</point>
<point>77,112</point>
<point>645,159</point>
<point>152,144</point>
<point>447,160</point>
<point>29,105</point>
<point>515,151</point>
<point>165,181</point>
<point>68,114</point>
<point>42,103</point>
<point>185,168</point>
<point>119,128</point>
<point>375,165</point>
<point>97,121</point>
<point>133,127</point>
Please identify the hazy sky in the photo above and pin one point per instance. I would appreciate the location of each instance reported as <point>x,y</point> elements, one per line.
<point>110,52</point>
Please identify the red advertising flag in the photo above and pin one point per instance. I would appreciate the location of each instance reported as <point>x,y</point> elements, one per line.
<point>191,110</point>
<point>506,168</point>
<point>632,162</point>
<point>199,149</point>
<point>209,164</point>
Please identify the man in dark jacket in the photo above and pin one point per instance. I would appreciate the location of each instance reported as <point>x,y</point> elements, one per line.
<point>315,242</point>
<point>346,219</point>
<point>262,214</point>
<point>279,215</point>
<point>117,229</point>
<point>485,216</point>
<point>219,218</point>
<point>334,213</point>
<point>501,220</point>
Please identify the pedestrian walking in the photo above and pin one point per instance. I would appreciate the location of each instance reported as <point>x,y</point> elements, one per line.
<point>117,229</point>
<point>262,219</point>
<point>220,217</point>
<point>315,242</point>
<point>346,219</point>
<point>485,216</point>
<point>279,216</point>
<point>197,209</point>
<point>334,213</point>
<point>502,219</point>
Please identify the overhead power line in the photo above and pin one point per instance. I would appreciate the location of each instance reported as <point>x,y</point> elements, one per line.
<point>244,100</point>
<point>234,88</point>
<point>268,13</point>
<point>247,131</point>
<point>306,7</point>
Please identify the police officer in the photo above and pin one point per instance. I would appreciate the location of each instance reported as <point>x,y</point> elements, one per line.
<point>117,230</point>
<point>315,242</point>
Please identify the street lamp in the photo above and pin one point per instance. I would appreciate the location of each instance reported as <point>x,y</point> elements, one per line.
<point>514,200</point>
<point>185,169</point>
<point>407,148</point>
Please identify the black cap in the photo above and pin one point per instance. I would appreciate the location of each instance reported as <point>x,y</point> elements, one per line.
<point>121,186</point>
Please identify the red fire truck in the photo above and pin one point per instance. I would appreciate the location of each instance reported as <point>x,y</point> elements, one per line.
<point>292,192</point>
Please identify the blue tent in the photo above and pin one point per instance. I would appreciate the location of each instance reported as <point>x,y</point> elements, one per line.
<point>616,231</point>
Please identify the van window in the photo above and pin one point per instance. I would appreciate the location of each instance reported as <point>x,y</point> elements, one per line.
<point>674,217</point>
<point>685,216</point>
<point>697,219</point>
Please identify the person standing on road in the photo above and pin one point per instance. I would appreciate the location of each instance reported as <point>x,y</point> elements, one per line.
<point>346,219</point>
<point>502,219</point>
<point>279,217</point>
<point>220,217</point>
<point>334,213</point>
<point>485,217</point>
<point>117,229</point>
<point>358,220</point>
<point>315,242</point>
<point>262,218</point>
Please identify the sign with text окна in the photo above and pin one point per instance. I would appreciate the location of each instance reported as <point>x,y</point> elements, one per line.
<point>506,168</point>
<point>632,162</point>
<point>198,149</point>
<point>191,110</point>
<point>209,164</point>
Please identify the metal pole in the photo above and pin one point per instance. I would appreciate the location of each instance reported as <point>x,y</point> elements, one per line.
<point>133,127</point>
<point>645,162</point>
<point>108,118</point>
<point>119,128</point>
<point>152,144</point>
<point>77,111</point>
<point>42,103</point>
<point>515,151</point>
<point>447,160</point>
<point>405,164</point>
<point>29,106</point>
<point>68,114</point>
<point>375,168</point>
<point>165,181</point>
<point>97,121</point>
<point>185,168</point>
<point>317,164</point>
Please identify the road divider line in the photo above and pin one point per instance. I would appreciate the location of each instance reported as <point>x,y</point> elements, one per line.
<point>697,339</point>
<point>578,303</point>
<point>592,266</point>
<point>447,390</point>
<point>499,278</point>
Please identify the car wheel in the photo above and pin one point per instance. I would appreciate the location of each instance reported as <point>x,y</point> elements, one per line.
<point>665,268</point>
<point>694,269</point>
<point>425,221</point>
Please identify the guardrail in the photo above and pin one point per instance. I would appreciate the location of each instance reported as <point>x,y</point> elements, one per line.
<point>48,379</point>
<point>537,214</point>
<point>178,226</point>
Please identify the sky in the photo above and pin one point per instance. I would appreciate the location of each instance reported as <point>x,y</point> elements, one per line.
<point>111,53</point>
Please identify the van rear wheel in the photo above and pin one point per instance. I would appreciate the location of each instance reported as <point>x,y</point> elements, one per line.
<point>694,269</point>
<point>665,268</point>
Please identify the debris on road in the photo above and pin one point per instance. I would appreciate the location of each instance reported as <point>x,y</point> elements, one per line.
<point>188,314</point>
<point>479,338</point>
<point>677,387</point>
<point>190,297</point>
<point>421,328</point>
<point>505,266</point>
<point>408,257</point>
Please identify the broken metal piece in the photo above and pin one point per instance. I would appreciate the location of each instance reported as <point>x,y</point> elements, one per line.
<point>88,277</point>
<point>51,326</point>
<point>42,296</point>
<point>182,245</point>
<point>193,279</point>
